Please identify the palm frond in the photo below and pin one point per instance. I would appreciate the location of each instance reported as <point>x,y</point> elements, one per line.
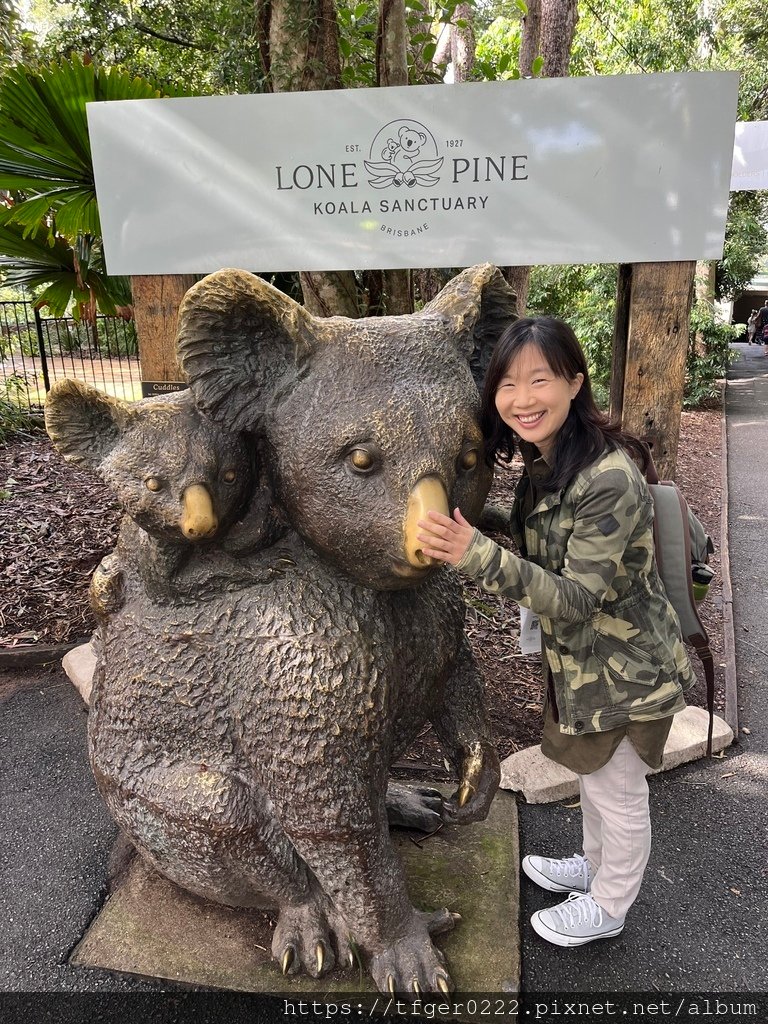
<point>44,145</point>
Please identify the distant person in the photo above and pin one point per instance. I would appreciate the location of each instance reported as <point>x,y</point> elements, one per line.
<point>751,326</point>
<point>761,325</point>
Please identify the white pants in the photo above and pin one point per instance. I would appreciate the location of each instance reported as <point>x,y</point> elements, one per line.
<point>617,828</point>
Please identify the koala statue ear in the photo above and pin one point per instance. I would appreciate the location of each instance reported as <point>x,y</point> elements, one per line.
<point>238,337</point>
<point>479,303</point>
<point>84,424</point>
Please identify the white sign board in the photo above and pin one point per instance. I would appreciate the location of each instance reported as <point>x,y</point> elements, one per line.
<point>750,156</point>
<point>632,168</point>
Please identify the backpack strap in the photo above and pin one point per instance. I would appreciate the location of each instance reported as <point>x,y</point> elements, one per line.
<point>672,540</point>
<point>702,648</point>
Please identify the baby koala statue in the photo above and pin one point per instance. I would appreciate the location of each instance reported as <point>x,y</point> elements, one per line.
<point>195,501</point>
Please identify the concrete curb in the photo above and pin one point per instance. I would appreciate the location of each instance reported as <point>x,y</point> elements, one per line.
<point>729,639</point>
<point>32,655</point>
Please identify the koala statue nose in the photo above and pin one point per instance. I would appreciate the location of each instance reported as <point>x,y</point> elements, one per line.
<point>198,520</point>
<point>429,493</point>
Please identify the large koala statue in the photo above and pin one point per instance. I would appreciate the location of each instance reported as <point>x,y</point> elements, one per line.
<point>243,741</point>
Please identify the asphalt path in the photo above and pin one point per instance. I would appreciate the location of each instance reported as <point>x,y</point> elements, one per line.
<point>699,927</point>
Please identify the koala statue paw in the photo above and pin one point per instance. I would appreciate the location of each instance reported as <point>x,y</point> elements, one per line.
<point>413,965</point>
<point>107,587</point>
<point>480,774</point>
<point>302,940</point>
<point>416,807</point>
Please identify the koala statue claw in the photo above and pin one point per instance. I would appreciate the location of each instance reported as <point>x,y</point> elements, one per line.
<point>271,639</point>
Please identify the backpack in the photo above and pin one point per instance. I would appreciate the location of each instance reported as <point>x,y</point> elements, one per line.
<point>682,552</point>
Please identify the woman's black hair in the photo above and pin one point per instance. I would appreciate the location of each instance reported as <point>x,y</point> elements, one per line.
<point>586,432</point>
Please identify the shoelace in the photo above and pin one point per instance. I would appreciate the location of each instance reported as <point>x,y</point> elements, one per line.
<point>571,867</point>
<point>579,908</point>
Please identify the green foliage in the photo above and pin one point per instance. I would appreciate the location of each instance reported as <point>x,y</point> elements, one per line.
<point>585,297</point>
<point>746,240</point>
<point>358,23</point>
<point>58,273</point>
<point>49,228</point>
<point>204,46</point>
<point>709,355</point>
<point>45,151</point>
<point>640,37</point>
<point>498,49</point>
<point>16,41</point>
<point>13,418</point>
<point>742,43</point>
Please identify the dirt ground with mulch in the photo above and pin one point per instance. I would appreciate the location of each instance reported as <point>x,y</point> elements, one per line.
<point>57,522</point>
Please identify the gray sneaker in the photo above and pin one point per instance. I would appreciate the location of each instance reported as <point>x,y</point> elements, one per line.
<point>568,874</point>
<point>575,921</point>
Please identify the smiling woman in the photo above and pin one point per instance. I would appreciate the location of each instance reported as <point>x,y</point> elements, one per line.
<point>533,401</point>
<point>615,662</point>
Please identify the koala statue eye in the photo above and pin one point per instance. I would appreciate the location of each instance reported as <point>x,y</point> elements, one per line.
<point>153,483</point>
<point>230,476</point>
<point>468,459</point>
<point>362,461</point>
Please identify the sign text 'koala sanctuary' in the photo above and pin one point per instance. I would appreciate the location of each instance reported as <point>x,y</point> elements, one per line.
<point>632,168</point>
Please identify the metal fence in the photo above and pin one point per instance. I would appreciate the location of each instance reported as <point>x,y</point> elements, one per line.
<point>36,351</point>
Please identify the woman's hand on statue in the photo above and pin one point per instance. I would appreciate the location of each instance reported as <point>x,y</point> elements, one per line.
<point>444,538</point>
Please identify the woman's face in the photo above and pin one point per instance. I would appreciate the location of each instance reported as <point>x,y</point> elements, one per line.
<point>533,401</point>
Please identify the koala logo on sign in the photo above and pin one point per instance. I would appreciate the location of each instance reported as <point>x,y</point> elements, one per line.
<point>403,153</point>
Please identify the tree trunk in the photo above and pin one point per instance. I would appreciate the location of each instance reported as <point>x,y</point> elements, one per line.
<point>531,38</point>
<point>429,281</point>
<point>653,309</point>
<point>462,44</point>
<point>392,69</point>
<point>519,278</point>
<point>303,54</point>
<point>443,51</point>
<point>558,24</point>
<point>156,302</point>
<point>392,44</point>
<point>705,283</point>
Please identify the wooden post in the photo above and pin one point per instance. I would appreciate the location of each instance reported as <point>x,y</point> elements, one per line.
<point>156,303</point>
<point>650,347</point>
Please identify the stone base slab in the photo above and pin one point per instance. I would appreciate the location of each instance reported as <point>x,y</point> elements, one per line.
<point>541,781</point>
<point>80,664</point>
<point>150,927</point>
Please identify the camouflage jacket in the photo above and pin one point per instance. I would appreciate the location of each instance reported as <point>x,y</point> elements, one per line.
<point>610,636</point>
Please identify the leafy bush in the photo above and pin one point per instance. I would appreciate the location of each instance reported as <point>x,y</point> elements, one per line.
<point>709,355</point>
<point>585,297</point>
<point>13,417</point>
